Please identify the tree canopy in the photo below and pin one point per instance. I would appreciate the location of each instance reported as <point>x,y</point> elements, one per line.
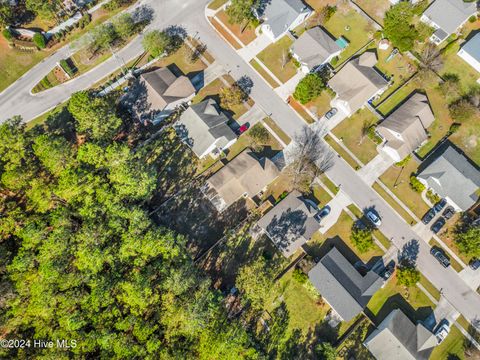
<point>362,238</point>
<point>398,27</point>
<point>240,11</point>
<point>407,275</point>
<point>468,240</point>
<point>309,88</point>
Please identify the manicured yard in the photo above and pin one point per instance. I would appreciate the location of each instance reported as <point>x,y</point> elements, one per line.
<point>245,34</point>
<point>272,57</point>
<point>350,132</point>
<point>329,184</point>
<point>451,348</point>
<point>412,301</point>
<point>353,27</point>
<point>339,150</point>
<point>180,60</point>
<point>276,129</point>
<point>397,180</point>
<point>273,83</point>
<point>375,8</point>
<point>321,104</point>
<point>218,26</point>
<point>322,196</point>
<point>391,201</point>
<point>376,233</point>
<point>387,105</point>
<point>432,290</point>
<point>468,138</point>
<point>300,110</point>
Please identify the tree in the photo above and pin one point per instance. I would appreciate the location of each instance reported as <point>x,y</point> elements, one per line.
<point>462,109</point>
<point>95,116</point>
<point>7,35</point>
<point>430,60</point>
<point>450,86</point>
<point>39,40</point>
<point>124,25</point>
<point>46,9</point>
<point>231,96</point>
<point>6,14</point>
<point>240,11</point>
<point>309,88</point>
<point>322,16</point>
<point>308,157</point>
<point>467,239</point>
<point>398,27</point>
<point>102,36</point>
<point>255,281</point>
<point>158,42</point>
<point>325,351</point>
<point>259,135</point>
<point>407,275</point>
<point>362,238</point>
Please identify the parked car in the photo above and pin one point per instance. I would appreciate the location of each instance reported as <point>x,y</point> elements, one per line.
<point>389,269</point>
<point>475,264</point>
<point>442,331</point>
<point>440,205</point>
<point>429,216</point>
<point>374,218</point>
<point>242,129</point>
<point>322,213</point>
<point>331,113</point>
<point>437,225</point>
<point>440,256</point>
<point>448,212</point>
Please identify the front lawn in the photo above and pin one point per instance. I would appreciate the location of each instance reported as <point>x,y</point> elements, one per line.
<point>272,56</point>
<point>350,132</point>
<point>321,104</point>
<point>181,60</point>
<point>245,34</point>
<point>353,27</point>
<point>397,180</point>
<point>322,196</point>
<point>452,347</point>
<point>375,8</point>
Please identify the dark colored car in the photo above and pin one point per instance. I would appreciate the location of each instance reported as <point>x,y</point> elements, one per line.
<point>429,216</point>
<point>389,269</point>
<point>322,213</point>
<point>475,264</point>
<point>448,212</point>
<point>440,256</point>
<point>440,205</point>
<point>331,113</point>
<point>438,225</point>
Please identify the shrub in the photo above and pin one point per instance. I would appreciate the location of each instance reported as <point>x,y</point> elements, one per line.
<point>39,40</point>
<point>398,26</point>
<point>434,198</point>
<point>232,96</point>
<point>362,239</point>
<point>454,128</point>
<point>472,18</point>
<point>404,161</point>
<point>416,185</point>
<point>299,276</point>
<point>308,88</point>
<point>7,35</point>
<point>66,67</point>
<point>462,110</point>
<point>407,276</point>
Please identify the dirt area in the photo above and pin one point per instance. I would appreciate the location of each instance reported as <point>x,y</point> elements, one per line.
<point>60,74</point>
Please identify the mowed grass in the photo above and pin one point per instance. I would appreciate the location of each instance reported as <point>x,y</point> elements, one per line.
<point>321,104</point>
<point>352,26</point>
<point>341,151</point>
<point>350,131</point>
<point>272,57</point>
<point>180,60</point>
<point>393,203</point>
<point>397,180</point>
<point>255,64</point>
<point>322,196</point>
<point>452,347</point>
<point>276,129</point>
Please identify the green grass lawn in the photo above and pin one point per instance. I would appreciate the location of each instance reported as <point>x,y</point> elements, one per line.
<point>350,131</point>
<point>388,104</point>
<point>276,129</point>
<point>272,56</point>
<point>339,150</point>
<point>273,83</point>
<point>432,290</point>
<point>329,184</point>
<point>321,104</point>
<point>322,196</point>
<point>180,59</point>
<point>391,201</point>
<point>352,26</point>
<point>398,181</point>
<point>451,348</point>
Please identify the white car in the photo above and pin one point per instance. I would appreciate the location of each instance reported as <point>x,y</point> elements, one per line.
<point>443,331</point>
<point>374,218</point>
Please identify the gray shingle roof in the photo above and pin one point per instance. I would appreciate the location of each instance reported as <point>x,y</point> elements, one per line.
<point>280,14</point>
<point>450,14</point>
<point>472,47</point>
<point>452,175</point>
<point>290,223</point>
<point>314,46</point>
<point>400,339</point>
<point>342,286</point>
<point>203,124</point>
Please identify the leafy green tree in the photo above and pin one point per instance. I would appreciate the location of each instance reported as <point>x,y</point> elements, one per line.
<point>463,110</point>
<point>362,238</point>
<point>39,40</point>
<point>95,116</point>
<point>6,14</point>
<point>259,136</point>
<point>46,9</point>
<point>325,351</point>
<point>407,275</point>
<point>255,281</point>
<point>309,88</point>
<point>416,184</point>
<point>468,240</point>
<point>232,96</point>
<point>102,36</point>
<point>398,27</point>
<point>124,25</point>
<point>241,11</point>
<point>157,42</point>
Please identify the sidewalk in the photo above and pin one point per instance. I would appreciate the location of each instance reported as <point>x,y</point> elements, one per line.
<point>376,167</point>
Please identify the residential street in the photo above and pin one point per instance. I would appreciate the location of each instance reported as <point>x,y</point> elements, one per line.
<point>17,100</point>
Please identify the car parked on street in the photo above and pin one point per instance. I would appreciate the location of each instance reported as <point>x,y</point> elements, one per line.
<point>437,225</point>
<point>442,331</point>
<point>429,216</point>
<point>440,205</point>
<point>440,256</point>
<point>331,113</point>
<point>374,218</point>
<point>448,212</point>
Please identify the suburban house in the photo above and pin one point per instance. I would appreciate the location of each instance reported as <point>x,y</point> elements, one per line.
<point>244,176</point>
<point>280,16</point>
<point>356,83</point>
<point>291,223</point>
<point>204,128</point>
<point>452,176</point>
<point>404,130</point>
<point>314,47</point>
<point>397,337</point>
<point>161,92</point>
<point>470,52</point>
<point>342,286</point>
<point>447,16</point>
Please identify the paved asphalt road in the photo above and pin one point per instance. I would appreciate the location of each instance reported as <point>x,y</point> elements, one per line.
<point>17,100</point>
